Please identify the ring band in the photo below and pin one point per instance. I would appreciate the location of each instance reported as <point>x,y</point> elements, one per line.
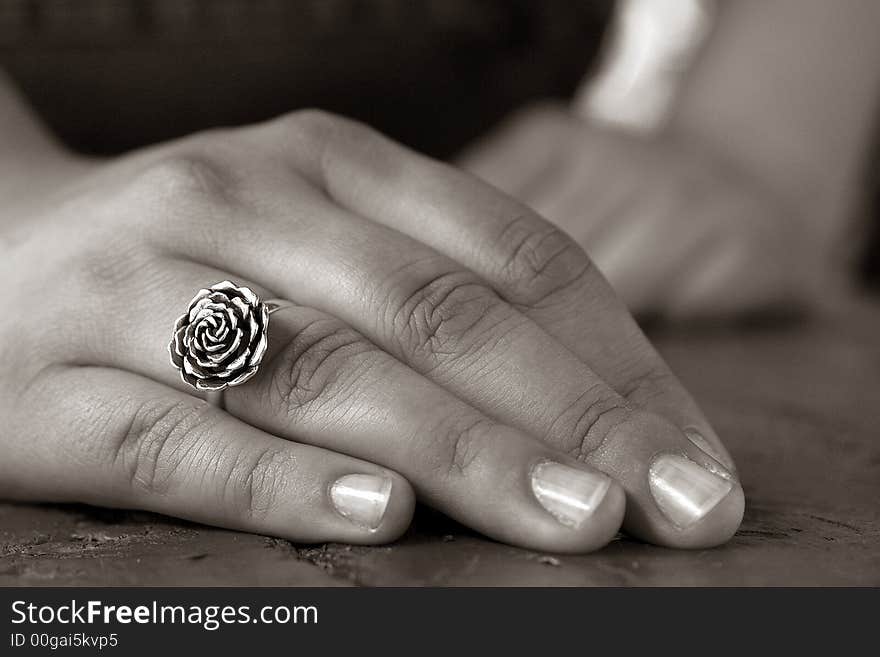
<point>221,339</point>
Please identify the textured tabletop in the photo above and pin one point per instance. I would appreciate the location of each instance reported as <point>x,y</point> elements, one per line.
<point>798,405</point>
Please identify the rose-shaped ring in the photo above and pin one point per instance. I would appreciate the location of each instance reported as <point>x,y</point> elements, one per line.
<point>221,339</point>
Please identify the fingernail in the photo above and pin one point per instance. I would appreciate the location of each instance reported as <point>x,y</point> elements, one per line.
<point>361,498</point>
<point>685,491</point>
<point>721,467</point>
<point>569,494</point>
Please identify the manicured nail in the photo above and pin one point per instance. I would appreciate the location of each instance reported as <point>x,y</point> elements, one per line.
<point>721,467</point>
<point>685,491</point>
<point>569,494</point>
<point>361,498</point>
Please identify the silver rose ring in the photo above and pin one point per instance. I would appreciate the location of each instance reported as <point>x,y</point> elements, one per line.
<point>221,339</point>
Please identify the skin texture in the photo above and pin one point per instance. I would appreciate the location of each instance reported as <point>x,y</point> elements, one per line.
<point>441,335</point>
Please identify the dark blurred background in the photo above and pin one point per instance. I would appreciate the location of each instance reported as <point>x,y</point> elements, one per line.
<point>110,75</point>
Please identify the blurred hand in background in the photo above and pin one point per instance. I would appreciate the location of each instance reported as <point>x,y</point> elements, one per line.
<point>728,191</point>
<point>678,231</point>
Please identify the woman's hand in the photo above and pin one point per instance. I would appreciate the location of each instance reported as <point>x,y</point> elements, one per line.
<point>677,231</point>
<point>444,339</point>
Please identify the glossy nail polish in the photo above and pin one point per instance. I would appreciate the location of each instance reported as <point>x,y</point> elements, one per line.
<point>569,494</point>
<point>685,491</point>
<point>361,498</point>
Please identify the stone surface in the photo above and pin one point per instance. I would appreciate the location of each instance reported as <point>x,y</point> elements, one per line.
<point>798,404</point>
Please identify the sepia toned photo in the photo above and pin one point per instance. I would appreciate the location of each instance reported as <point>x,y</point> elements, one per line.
<point>425,293</point>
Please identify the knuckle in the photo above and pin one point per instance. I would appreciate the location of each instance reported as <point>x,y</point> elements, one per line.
<point>648,384</point>
<point>322,130</point>
<point>182,198</point>
<point>465,445</point>
<point>458,446</point>
<point>538,260</point>
<point>311,119</point>
<point>447,317</point>
<point>255,484</point>
<point>586,424</point>
<point>182,178</point>
<point>161,436</point>
<point>322,360</point>
<point>327,137</point>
